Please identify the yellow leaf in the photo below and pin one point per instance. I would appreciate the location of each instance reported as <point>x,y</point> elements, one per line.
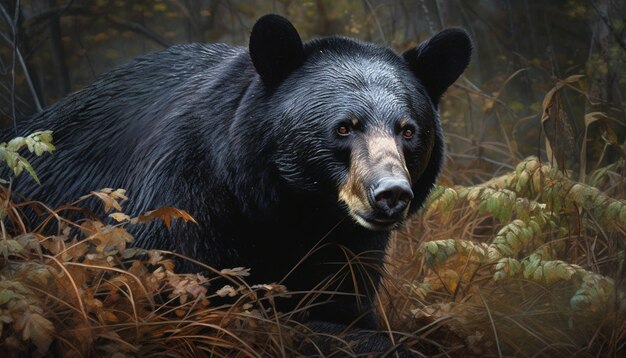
<point>227,290</point>
<point>119,217</point>
<point>107,200</point>
<point>488,105</point>
<point>450,278</point>
<point>110,236</point>
<point>119,194</point>
<point>237,271</point>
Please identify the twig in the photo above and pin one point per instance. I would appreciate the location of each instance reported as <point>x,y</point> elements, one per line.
<point>380,28</point>
<point>13,55</point>
<point>16,53</point>
<point>84,11</point>
<point>135,27</point>
<point>493,325</point>
<point>606,21</point>
<point>25,69</point>
<point>429,21</point>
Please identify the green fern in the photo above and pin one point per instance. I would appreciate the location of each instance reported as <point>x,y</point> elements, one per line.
<point>536,209</point>
<point>37,143</point>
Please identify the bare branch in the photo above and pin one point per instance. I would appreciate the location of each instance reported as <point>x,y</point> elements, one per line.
<point>373,12</point>
<point>620,41</point>
<point>25,69</point>
<point>138,28</point>
<point>78,10</point>
<point>12,22</point>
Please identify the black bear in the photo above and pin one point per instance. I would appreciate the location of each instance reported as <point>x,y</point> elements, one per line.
<point>296,159</point>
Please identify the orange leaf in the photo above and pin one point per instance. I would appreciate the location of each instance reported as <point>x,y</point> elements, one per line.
<point>166,214</point>
<point>119,217</point>
<point>109,317</point>
<point>110,236</point>
<point>54,244</point>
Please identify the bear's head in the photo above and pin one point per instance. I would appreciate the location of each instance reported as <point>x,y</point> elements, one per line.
<point>356,119</point>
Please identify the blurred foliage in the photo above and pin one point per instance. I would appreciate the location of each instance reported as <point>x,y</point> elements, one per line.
<point>495,116</point>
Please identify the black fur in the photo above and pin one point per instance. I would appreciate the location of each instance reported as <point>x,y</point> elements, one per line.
<point>440,60</point>
<point>275,48</point>
<point>254,158</point>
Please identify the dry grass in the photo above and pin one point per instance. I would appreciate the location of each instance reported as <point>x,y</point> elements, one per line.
<point>527,264</point>
<point>85,292</point>
<point>462,267</point>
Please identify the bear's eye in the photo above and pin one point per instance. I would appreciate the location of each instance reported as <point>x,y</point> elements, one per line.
<point>343,130</point>
<point>408,133</point>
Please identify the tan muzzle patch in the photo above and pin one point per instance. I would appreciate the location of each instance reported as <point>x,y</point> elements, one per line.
<point>373,158</point>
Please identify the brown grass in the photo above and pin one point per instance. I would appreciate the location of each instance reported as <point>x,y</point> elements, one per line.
<point>486,310</point>
<point>451,287</point>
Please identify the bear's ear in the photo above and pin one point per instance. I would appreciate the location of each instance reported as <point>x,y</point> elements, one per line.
<point>440,60</point>
<point>275,48</point>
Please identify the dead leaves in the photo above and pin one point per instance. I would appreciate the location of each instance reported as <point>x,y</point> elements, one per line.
<point>85,292</point>
<point>36,328</point>
<point>106,237</point>
<point>236,272</point>
<point>85,284</point>
<point>557,126</point>
<point>110,198</point>
<point>187,286</point>
<point>166,214</point>
<point>21,312</point>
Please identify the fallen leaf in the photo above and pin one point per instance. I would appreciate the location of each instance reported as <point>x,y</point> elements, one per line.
<point>166,214</point>
<point>38,329</point>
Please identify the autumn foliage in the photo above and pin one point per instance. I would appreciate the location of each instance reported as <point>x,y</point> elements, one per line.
<point>528,263</point>
<point>94,295</point>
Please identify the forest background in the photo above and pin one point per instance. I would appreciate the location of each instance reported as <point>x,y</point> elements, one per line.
<point>523,240</point>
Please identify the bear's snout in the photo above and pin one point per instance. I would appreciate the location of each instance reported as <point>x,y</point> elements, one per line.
<point>390,197</point>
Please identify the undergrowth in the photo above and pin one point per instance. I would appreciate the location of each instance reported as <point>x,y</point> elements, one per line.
<point>530,263</point>
<point>85,292</point>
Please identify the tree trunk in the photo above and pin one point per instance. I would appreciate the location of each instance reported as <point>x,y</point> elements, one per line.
<point>61,72</point>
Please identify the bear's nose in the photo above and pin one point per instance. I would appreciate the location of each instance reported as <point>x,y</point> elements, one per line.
<point>392,196</point>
